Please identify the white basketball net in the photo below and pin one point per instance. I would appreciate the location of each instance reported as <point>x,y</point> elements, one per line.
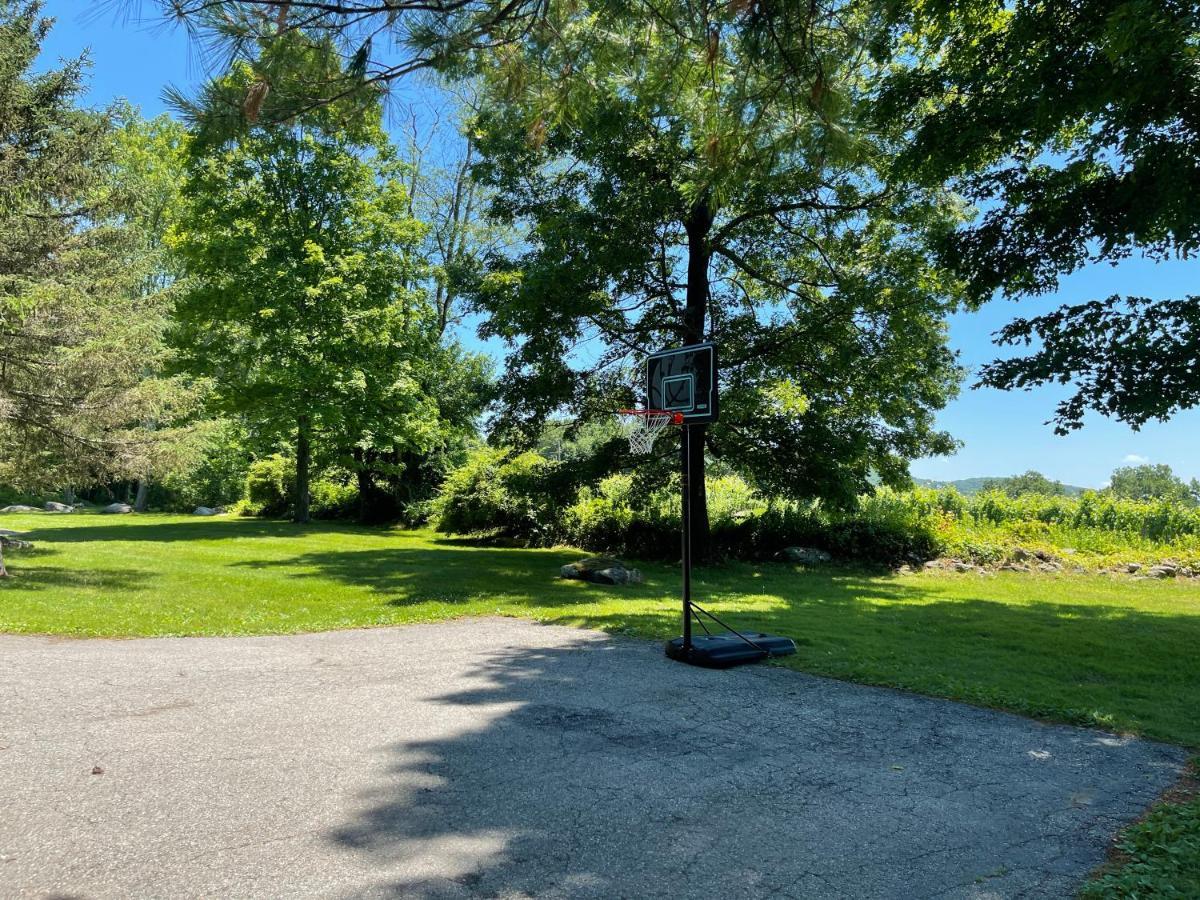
<point>642,429</point>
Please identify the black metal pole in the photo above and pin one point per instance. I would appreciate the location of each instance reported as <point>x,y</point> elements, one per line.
<point>687,539</point>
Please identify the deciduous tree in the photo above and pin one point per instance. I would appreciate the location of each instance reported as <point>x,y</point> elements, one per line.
<point>1076,127</point>
<point>704,170</point>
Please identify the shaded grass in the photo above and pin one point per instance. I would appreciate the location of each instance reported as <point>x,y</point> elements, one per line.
<point>1084,649</point>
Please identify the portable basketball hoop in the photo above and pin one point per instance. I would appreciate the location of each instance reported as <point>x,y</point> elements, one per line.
<point>643,426</point>
<point>681,389</point>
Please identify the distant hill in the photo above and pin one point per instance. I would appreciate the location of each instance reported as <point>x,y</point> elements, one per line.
<point>975,485</point>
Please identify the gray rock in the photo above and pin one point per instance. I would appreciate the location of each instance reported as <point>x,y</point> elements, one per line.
<point>601,570</point>
<point>1015,567</point>
<point>19,508</point>
<point>12,543</point>
<point>54,506</point>
<point>1131,568</point>
<point>807,556</point>
<point>1162,571</point>
<point>204,511</point>
<point>117,508</point>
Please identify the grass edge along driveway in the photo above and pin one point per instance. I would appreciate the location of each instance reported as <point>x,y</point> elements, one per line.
<point>1090,650</point>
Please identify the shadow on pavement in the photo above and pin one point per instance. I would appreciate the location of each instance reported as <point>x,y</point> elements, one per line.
<point>601,770</point>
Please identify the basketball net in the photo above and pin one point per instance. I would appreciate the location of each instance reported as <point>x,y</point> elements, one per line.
<point>643,426</point>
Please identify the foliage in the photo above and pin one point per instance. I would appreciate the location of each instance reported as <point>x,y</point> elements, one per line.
<point>213,472</point>
<point>1030,482</point>
<point>301,253</point>
<point>270,491</point>
<point>716,179</point>
<point>1152,482</point>
<point>1075,126</point>
<point>545,502</point>
<point>498,490</point>
<point>82,309</point>
<point>374,41</point>
<point>1159,856</point>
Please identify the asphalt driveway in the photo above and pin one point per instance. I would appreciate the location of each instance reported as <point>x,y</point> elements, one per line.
<point>498,758</point>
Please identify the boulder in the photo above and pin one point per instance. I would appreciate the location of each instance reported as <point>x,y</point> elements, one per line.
<point>601,570</point>
<point>1015,567</point>
<point>54,506</point>
<point>806,556</point>
<point>204,511</point>
<point>1133,568</point>
<point>19,508</point>
<point>1162,571</point>
<point>117,508</point>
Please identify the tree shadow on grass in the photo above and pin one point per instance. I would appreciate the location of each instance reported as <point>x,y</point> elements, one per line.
<point>41,578</point>
<point>590,768</point>
<point>204,530</point>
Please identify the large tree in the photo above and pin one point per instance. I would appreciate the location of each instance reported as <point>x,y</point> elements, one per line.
<point>301,305</point>
<point>81,322</point>
<point>1076,127</point>
<point>704,170</point>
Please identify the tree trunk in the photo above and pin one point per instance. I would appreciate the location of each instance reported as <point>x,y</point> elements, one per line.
<point>698,225</point>
<point>69,495</point>
<point>303,461</point>
<point>3,569</point>
<point>139,502</point>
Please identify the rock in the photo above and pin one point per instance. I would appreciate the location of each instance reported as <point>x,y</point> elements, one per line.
<point>904,570</point>
<point>1132,568</point>
<point>204,511</point>
<point>19,508</point>
<point>806,556</point>
<point>960,566</point>
<point>1049,567</point>
<point>1020,554</point>
<point>117,508</point>
<point>601,570</point>
<point>934,564</point>
<point>12,543</point>
<point>1015,567</point>
<point>1162,571</point>
<point>53,506</point>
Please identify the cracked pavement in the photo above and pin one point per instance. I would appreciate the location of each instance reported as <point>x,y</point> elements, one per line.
<point>501,758</point>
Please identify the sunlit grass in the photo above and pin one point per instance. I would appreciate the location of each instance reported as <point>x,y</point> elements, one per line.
<point>1086,649</point>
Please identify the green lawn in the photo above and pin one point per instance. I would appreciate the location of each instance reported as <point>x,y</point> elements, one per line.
<point>1120,654</point>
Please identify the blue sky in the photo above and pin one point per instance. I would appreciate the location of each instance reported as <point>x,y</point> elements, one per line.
<point>1002,433</point>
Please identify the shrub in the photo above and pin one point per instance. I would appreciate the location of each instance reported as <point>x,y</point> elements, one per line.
<point>517,495</point>
<point>269,486</point>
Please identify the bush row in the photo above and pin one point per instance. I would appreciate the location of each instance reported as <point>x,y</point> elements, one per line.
<point>529,497</point>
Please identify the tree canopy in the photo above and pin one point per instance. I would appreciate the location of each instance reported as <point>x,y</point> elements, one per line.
<point>300,302</point>
<point>1076,128</point>
<point>82,310</point>
<point>693,170</point>
<point>1152,482</point>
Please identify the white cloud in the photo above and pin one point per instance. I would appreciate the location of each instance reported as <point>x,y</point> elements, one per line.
<point>1135,459</point>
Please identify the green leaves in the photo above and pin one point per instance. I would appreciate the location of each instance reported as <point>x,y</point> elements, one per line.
<point>688,170</point>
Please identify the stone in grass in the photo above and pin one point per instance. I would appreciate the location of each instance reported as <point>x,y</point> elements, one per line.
<point>55,506</point>
<point>19,508</point>
<point>117,508</point>
<point>1166,570</point>
<point>204,511</point>
<point>601,570</point>
<point>805,556</point>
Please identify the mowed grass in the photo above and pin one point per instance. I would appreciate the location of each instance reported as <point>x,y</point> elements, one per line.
<point>1086,649</point>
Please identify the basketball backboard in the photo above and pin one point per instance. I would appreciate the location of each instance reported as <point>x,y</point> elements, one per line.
<point>684,381</point>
